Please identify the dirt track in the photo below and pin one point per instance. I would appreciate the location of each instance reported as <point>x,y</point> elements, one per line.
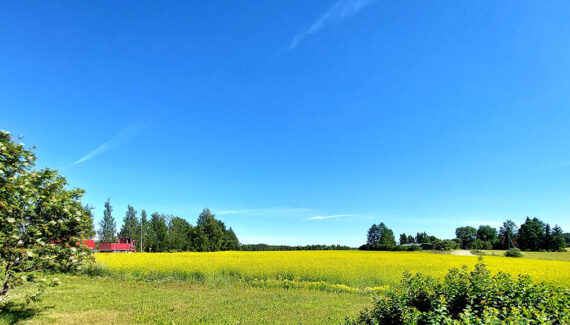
<point>462,252</point>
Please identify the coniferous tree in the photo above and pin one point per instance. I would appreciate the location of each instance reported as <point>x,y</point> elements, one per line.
<point>547,242</point>
<point>145,232</point>
<point>131,225</point>
<point>403,239</point>
<point>107,226</point>
<point>90,228</point>
<point>558,240</point>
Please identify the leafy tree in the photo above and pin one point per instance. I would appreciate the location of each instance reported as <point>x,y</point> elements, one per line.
<point>230,242</point>
<point>373,236</point>
<point>41,221</point>
<point>403,239</point>
<point>380,235</point>
<point>508,234</point>
<point>411,239</point>
<point>531,234</point>
<point>179,235</point>
<point>422,238</point>
<point>107,226</point>
<point>158,233</point>
<point>131,226</point>
<point>466,235</point>
<point>208,234</point>
<point>90,231</point>
<point>487,233</point>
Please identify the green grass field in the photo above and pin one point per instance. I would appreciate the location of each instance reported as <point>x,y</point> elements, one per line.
<point>82,300</point>
<point>309,287</point>
<point>554,256</point>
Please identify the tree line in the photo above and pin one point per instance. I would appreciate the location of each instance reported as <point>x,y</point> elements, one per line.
<point>265,247</point>
<point>168,233</point>
<point>532,235</point>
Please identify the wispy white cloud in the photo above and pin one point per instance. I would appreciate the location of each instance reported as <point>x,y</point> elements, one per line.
<point>334,216</point>
<point>340,10</point>
<point>266,211</point>
<point>120,138</point>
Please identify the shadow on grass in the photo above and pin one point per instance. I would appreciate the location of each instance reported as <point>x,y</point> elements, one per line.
<point>13,313</point>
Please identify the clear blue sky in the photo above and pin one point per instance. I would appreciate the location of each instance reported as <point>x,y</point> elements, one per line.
<point>299,122</point>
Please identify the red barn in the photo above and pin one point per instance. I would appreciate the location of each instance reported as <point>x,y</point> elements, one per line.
<point>125,245</point>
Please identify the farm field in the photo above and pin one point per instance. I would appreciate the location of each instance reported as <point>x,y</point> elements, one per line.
<point>555,256</point>
<point>309,287</point>
<point>341,270</point>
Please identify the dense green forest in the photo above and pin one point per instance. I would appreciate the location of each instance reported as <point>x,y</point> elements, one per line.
<point>532,235</point>
<point>167,233</point>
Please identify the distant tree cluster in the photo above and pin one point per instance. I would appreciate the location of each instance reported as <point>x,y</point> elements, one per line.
<point>265,247</point>
<point>167,233</point>
<point>533,235</point>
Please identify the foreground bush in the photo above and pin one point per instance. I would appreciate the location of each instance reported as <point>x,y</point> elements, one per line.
<point>513,252</point>
<point>470,297</point>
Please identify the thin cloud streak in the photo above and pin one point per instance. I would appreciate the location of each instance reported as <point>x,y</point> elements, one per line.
<point>340,10</point>
<point>266,211</point>
<point>120,138</point>
<point>334,216</point>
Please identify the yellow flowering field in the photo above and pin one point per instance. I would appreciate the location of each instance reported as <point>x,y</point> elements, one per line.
<point>341,269</point>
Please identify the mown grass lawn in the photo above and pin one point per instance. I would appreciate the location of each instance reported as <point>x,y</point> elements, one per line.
<point>83,300</point>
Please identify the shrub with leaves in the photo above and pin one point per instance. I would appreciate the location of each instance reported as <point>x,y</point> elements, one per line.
<point>513,252</point>
<point>469,297</point>
<point>41,222</point>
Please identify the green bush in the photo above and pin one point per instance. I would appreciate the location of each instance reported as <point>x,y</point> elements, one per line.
<point>469,297</point>
<point>513,252</point>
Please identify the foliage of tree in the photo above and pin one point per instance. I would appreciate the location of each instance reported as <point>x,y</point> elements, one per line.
<point>404,239</point>
<point>380,235</point>
<point>158,232</point>
<point>131,226</point>
<point>508,234</point>
<point>230,242</point>
<point>466,235</point>
<point>90,231</point>
<point>469,297</point>
<point>265,247</point>
<point>208,233</point>
<point>422,238</point>
<point>180,233</point>
<point>531,234</point>
<point>42,223</point>
<point>487,233</point>
<point>558,242</point>
<point>145,232</point>
<point>107,226</point>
